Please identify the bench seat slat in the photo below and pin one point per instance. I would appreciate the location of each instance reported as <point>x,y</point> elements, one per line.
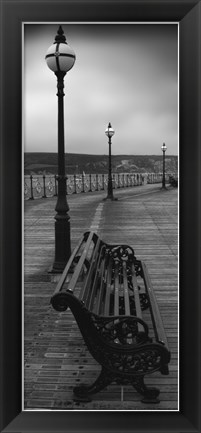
<point>125,287</point>
<point>84,294</point>
<point>79,265</point>
<point>116,290</point>
<point>96,282</point>
<point>136,298</point>
<point>97,307</point>
<point>155,313</point>
<point>68,265</point>
<point>108,288</point>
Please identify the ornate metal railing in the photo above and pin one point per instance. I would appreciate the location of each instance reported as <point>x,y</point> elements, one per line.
<point>43,186</point>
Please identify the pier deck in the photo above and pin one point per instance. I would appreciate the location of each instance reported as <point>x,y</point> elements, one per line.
<point>56,358</point>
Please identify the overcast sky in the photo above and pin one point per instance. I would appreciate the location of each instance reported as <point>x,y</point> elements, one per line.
<point>126,74</point>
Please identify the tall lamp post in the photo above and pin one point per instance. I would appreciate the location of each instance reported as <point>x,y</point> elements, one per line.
<point>60,59</point>
<point>164,148</point>
<point>110,132</point>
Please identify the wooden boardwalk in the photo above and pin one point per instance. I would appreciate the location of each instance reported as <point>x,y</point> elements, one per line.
<point>56,358</point>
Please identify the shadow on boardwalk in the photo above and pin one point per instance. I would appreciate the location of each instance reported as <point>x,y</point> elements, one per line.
<point>56,358</point>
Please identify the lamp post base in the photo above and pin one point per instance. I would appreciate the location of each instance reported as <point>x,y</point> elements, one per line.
<point>110,190</point>
<point>110,198</point>
<point>57,268</point>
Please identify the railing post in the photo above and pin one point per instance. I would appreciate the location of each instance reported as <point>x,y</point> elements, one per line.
<point>82,182</point>
<point>75,185</point>
<point>112,180</point>
<point>103,182</point>
<point>96,182</point>
<point>31,180</point>
<point>90,190</point>
<point>55,184</point>
<point>118,181</point>
<point>44,191</point>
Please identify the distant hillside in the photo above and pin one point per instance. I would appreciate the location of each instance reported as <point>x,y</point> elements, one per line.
<point>46,163</point>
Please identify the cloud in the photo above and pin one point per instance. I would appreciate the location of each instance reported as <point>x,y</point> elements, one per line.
<point>123,74</point>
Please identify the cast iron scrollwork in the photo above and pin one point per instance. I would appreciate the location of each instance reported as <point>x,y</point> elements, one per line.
<point>121,330</point>
<point>136,362</point>
<point>124,369</point>
<point>121,252</point>
<point>138,268</point>
<point>144,301</point>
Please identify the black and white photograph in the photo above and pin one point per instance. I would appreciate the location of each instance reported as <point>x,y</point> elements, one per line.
<point>100,174</point>
<point>101,234</point>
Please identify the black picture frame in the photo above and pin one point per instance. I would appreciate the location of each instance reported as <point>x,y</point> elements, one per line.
<point>13,13</point>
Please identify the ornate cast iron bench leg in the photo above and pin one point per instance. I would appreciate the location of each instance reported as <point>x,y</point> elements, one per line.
<point>150,394</point>
<point>83,392</point>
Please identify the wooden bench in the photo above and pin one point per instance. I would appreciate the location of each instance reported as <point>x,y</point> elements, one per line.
<point>111,297</point>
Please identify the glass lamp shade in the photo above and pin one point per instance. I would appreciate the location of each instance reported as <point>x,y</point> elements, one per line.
<point>109,130</point>
<point>164,147</point>
<point>60,57</point>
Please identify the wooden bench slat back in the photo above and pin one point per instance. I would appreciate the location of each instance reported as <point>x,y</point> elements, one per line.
<point>80,263</point>
<point>136,298</point>
<point>68,266</point>
<point>108,288</point>
<point>125,290</point>
<point>116,290</point>
<point>84,293</point>
<point>155,313</point>
<point>97,307</point>
<point>96,280</point>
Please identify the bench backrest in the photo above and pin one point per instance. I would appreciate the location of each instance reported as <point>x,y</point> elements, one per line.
<point>108,279</point>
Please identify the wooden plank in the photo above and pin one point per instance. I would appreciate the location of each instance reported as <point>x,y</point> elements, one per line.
<point>125,287</point>
<point>116,289</point>
<point>55,356</point>
<point>84,294</point>
<point>156,316</point>
<point>136,298</point>
<point>108,288</point>
<point>96,285</point>
<point>97,307</point>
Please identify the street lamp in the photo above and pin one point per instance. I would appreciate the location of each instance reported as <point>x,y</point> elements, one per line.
<point>164,148</point>
<point>109,132</point>
<point>60,59</point>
